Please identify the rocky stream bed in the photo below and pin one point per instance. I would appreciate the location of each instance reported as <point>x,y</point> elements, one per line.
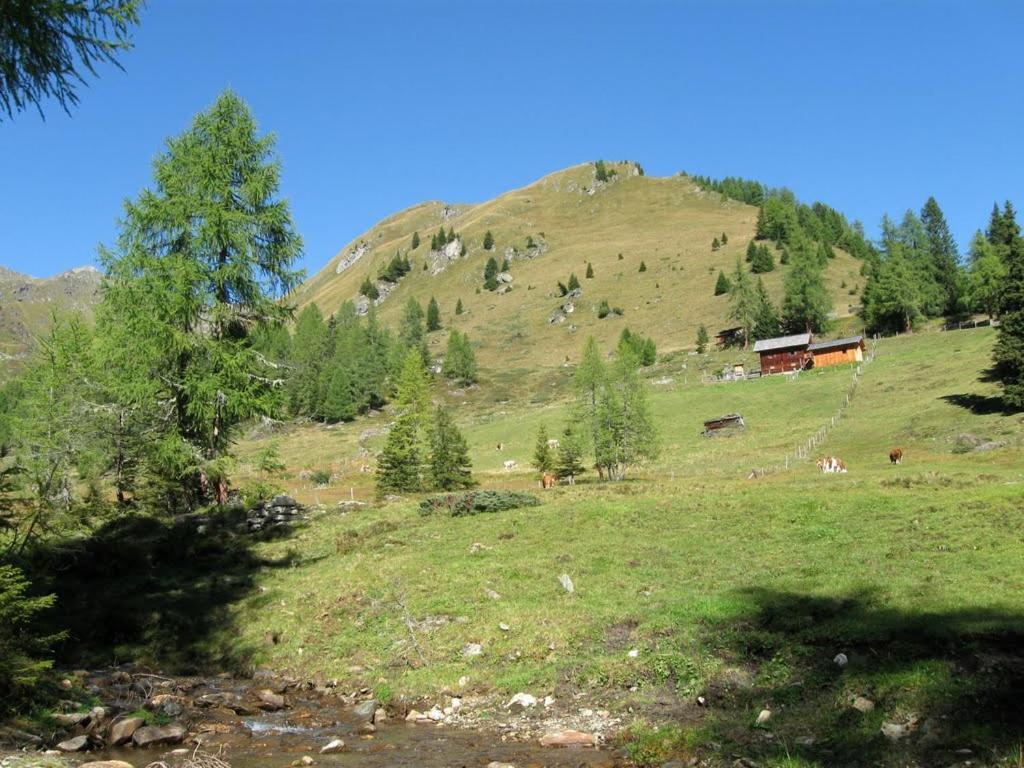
<point>147,720</point>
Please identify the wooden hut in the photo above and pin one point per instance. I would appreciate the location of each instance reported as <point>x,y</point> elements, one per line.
<point>724,425</point>
<point>729,337</point>
<point>837,351</point>
<point>786,353</point>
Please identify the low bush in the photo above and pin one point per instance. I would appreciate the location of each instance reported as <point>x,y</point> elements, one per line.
<point>476,502</point>
<point>320,477</point>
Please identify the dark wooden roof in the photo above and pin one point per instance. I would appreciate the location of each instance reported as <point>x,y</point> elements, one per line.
<point>849,341</point>
<point>783,342</point>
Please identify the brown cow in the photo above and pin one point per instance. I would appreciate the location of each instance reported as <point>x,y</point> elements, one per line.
<point>548,481</point>
<point>896,456</point>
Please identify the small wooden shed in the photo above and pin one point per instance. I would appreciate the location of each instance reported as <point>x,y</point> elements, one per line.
<point>837,351</point>
<point>724,425</point>
<point>729,337</point>
<point>785,353</point>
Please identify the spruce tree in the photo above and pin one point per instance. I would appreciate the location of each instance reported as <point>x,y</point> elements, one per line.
<point>751,251</point>
<point>766,324</point>
<point>942,253</point>
<point>449,455</point>
<point>762,261</point>
<point>412,333</point>
<point>491,274</point>
<point>724,238</point>
<point>458,307</point>
<point>1009,349</point>
<point>590,271</point>
<point>369,289</point>
<point>574,282</point>
<point>986,276</point>
<point>399,468</point>
<point>892,297</point>
<point>807,302</point>
<point>201,263</point>
<point>643,267</point>
<point>433,315</point>
<point>714,244</point>
<point>722,285</point>
<point>543,456</point>
<point>488,240</point>
<point>569,456</point>
<point>702,339</point>
<point>415,240</point>
<point>459,360</point>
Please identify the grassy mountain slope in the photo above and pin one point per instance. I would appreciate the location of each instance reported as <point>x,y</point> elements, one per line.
<point>739,590</point>
<point>27,306</point>
<point>668,223</point>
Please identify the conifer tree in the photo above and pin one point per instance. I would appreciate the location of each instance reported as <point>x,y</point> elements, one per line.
<point>415,240</point>
<point>724,238</point>
<point>714,244</point>
<point>767,324</point>
<point>643,267</point>
<point>574,282</point>
<point>491,274</point>
<point>892,297</point>
<point>942,253</point>
<point>1009,349</point>
<point>400,466</point>
<point>569,456</point>
<point>433,315</point>
<point>459,360</point>
<point>200,265</point>
<point>458,307</point>
<point>369,289</point>
<point>702,339</point>
<point>411,333</point>
<point>624,430</point>
<point>762,261</point>
<point>743,302</point>
<point>751,251</point>
<point>449,455</point>
<point>807,302</point>
<point>722,285</point>
<point>590,271</point>
<point>488,241</point>
<point>986,276</point>
<point>543,456</point>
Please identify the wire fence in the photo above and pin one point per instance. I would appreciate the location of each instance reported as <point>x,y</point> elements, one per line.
<point>802,451</point>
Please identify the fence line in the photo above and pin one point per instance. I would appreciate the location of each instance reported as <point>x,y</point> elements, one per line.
<point>803,450</point>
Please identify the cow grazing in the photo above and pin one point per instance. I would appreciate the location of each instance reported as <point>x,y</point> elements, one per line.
<point>831,464</point>
<point>896,456</point>
<point>510,465</point>
<point>548,480</point>
<point>553,444</point>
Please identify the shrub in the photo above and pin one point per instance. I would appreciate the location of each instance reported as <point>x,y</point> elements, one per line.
<point>488,240</point>
<point>643,267</point>
<point>477,502</point>
<point>23,654</point>
<point>590,270</point>
<point>320,477</point>
<point>369,289</point>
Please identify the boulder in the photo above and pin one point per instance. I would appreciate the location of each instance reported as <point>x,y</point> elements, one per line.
<point>521,701</point>
<point>77,744</point>
<point>764,716</point>
<point>156,735</point>
<point>121,731</point>
<point>366,710</point>
<point>862,704</point>
<point>505,277</point>
<point>414,716</point>
<point>270,701</point>
<point>568,739</point>
<point>107,764</point>
<point>332,747</point>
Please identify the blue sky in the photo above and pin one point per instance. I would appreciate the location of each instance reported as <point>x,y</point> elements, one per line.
<point>868,106</point>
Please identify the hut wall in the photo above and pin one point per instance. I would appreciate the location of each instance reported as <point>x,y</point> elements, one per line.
<point>782,361</point>
<point>838,357</point>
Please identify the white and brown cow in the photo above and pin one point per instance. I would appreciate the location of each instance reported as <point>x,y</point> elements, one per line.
<point>831,464</point>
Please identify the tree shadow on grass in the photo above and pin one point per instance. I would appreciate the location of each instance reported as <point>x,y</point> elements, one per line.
<point>954,679</point>
<point>981,405</point>
<point>144,589</point>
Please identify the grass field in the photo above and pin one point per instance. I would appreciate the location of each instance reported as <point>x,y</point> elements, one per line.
<point>739,590</point>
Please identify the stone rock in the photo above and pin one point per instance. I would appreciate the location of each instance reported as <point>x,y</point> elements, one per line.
<point>414,716</point>
<point>504,627</point>
<point>365,711</point>
<point>505,277</point>
<point>436,715</point>
<point>492,594</point>
<point>633,653</point>
<point>897,731</point>
<point>548,702</point>
<point>270,701</point>
<point>107,764</point>
<point>521,701</point>
<point>764,716</point>
<point>463,681</point>
<point>155,735</point>
<point>332,747</point>
<point>77,744</point>
<point>121,731</point>
<point>496,764</point>
<point>568,739</point>
<point>840,660</point>
<point>380,715</point>
<point>862,704</point>
<point>566,583</point>
<point>70,719</point>
<point>472,649</point>
<point>306,760</point>
<point>366,728</point>
<point>456,705</point>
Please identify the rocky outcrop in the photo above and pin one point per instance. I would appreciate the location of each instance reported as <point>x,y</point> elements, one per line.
<point>352,256</point>
<point>439,260</point>
<point>122,731</point>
